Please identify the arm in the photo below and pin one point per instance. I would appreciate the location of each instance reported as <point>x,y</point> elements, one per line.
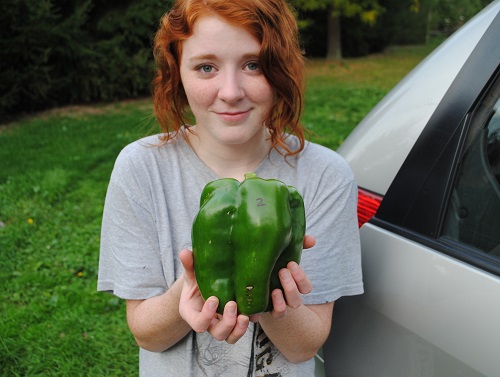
<point>297,330</point>
<point>301,333</point>
<point>160,322</point>
<point>155,323</point>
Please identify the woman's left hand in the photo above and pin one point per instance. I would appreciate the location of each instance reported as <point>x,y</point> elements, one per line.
<point>295,282</point>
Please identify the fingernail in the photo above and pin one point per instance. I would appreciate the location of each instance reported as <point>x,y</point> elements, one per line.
<point>284,274</point>
<point>232,309</point>
<point>212,304</point>
<point>278,297</point>
<point>294,266</point>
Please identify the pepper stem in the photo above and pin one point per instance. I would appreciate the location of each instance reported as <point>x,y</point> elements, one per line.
<point>250,175</point>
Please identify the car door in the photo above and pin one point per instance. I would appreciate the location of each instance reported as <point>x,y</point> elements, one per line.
<point>431,254</point>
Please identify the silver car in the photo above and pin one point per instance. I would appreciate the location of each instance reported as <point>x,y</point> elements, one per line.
<point>427,161</point>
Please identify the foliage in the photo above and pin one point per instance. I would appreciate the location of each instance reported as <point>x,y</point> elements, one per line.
<point>367,10</point>
<point>370,26</point>
<point>393,23</point>
<point>58,52</point>
<point>446,16</point>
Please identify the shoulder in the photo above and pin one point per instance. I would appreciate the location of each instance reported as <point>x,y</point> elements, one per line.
<point>141,149</point>
<point>318,155</point>
<point>139,162</point>
<point>318,172</point>
<point>321,163</point>
<point>315,165</point>
<point>321,154</point>
<point>143,152</point>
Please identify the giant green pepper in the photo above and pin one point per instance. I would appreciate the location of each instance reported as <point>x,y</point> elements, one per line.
<point>243,235</point>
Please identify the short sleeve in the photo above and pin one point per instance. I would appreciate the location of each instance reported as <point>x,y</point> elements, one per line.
<point>334,264</point>
<point>130,265</point>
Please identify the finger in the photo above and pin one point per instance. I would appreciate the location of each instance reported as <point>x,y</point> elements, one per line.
<point>221,329</point>
<point>290,290</point>
<point>200,321</point>
<point>239,329</point>
<point>186,257</point>
<point>309,241</point>
<point>302,281</point>
<point>279,304</point>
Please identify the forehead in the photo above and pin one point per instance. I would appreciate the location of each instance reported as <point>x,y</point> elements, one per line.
<point>214,35</point>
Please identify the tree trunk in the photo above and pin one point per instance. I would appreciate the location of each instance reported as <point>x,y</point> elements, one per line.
<point>334,47</point>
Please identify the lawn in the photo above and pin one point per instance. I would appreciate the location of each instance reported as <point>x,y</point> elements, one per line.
<point>54,170</point>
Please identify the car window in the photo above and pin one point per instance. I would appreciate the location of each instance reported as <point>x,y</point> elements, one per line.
<point>474,213</point>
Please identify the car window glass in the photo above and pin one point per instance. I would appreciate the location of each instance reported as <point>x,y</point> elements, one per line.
<point>474,213</point>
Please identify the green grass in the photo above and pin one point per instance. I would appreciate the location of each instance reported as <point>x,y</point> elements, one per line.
<point>54,170</point>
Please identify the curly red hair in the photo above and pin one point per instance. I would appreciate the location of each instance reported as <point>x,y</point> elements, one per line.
<point>272,23</point>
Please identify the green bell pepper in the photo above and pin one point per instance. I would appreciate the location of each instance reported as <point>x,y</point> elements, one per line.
<point>243,235</point>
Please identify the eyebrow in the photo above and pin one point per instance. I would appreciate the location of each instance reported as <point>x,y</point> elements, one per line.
<point>202,57</point>
<point>213,56</point>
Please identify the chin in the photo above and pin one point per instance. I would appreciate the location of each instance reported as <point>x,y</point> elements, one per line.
<point>235,136</point>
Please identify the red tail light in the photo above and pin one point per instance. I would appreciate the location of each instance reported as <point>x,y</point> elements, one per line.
<point>368,204</point>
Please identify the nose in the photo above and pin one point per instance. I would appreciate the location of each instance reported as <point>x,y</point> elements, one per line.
<point>231,87</point>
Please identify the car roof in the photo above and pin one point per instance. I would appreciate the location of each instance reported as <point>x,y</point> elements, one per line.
<point>378,146</point>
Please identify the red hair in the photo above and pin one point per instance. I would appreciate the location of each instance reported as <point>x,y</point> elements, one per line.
<point>272,23</point>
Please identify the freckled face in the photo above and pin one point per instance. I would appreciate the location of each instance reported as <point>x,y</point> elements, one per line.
<point>226,90</point>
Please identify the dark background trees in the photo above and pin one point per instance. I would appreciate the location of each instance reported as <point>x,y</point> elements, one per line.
<point>350,28</point>
<point>59,52</point>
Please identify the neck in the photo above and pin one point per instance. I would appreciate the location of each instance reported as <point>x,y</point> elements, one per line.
<point>231,160</point>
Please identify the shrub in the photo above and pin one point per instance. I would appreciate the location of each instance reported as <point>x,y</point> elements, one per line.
<point>59,52</point>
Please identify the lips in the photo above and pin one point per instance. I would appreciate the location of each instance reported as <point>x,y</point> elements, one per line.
<point>233,116</point>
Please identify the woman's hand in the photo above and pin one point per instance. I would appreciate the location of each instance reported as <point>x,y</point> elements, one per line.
<point>295,282</point>
<point>202,315</point>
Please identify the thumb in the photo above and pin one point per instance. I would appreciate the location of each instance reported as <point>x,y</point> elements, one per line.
<point>309,241</point>
<point>186,257</point>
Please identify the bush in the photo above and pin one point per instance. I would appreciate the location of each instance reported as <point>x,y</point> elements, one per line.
<point>59,52</point>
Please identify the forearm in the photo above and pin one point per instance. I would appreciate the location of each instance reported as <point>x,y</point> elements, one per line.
<point>155,322</point>
<point>301,333</point>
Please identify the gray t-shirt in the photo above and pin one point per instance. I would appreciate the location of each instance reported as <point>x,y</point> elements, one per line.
<point>152,200</point>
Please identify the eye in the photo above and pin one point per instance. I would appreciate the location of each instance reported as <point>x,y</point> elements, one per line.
<point>253,66</point>
<point>206,68</point>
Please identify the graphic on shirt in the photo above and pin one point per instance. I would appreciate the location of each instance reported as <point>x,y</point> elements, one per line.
<point>210,356</point>
<point>269,362</point>
<point>218,358</point>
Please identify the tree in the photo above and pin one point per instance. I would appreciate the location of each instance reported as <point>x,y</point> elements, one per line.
<point>399,21</point>
<point>367,10</point>
<point>59,52</point>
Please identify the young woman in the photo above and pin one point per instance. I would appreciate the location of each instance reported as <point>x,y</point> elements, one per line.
<point>237,67</point>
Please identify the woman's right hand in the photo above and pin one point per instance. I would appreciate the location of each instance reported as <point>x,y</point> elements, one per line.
<point>202,315</point>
